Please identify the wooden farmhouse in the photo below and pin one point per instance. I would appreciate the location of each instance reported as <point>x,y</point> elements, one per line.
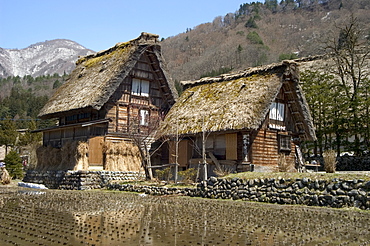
<point>112,98</point>
<point>252,119</point>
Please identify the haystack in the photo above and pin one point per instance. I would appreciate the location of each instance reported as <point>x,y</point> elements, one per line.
<point>72,156</point>
<point>122,156</point>
<point>5,177</point>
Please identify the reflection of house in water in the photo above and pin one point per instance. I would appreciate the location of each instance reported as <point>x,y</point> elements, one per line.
<point>112,227</point>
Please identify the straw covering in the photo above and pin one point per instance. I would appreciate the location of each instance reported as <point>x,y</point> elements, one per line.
<point>235,104</point>
<point>232,101</point>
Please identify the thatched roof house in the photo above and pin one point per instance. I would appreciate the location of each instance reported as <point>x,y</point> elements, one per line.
<point>98,76</point>
<point>259,105</point>
<point>109,98</point>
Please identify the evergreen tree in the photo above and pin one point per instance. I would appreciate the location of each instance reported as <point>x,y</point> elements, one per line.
<point>8,133</point>
<point>251,23</point>
<point>14,165</point>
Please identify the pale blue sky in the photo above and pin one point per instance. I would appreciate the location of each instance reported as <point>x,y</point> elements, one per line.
<point>100,24</point>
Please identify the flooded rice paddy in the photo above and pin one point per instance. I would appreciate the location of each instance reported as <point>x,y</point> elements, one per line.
<point>54,217</point>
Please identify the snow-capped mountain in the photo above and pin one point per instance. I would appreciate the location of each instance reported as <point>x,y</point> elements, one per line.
<point>49,57</point>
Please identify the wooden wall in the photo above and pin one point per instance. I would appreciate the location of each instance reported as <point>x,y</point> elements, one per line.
<point>185,152</point>
<point>265,149</point>
<point>124,106</point>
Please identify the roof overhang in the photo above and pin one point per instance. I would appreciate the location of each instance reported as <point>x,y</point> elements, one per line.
<point>81,124</point>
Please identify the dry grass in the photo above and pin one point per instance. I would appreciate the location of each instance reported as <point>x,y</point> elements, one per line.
<point>223,171</point>
<point>5,177</point>
<point>122,156</point>
<point>284,166</point>
<point>72,156</point>
<point>330,161</point>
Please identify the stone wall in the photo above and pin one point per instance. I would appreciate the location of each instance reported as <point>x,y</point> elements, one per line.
<point>79,180</point>
<point>353,163</point>
<point>336,193</point>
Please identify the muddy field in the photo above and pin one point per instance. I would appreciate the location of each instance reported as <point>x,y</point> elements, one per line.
<point>53,217</point>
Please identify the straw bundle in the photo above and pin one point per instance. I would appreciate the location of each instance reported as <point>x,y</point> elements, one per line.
<point>5,177</point>
<point>122,156</point>
<point>32,164</point>
<point>330,161</point>
<point>45,158</point>
<point>82,159</point>
<point>72,156</point>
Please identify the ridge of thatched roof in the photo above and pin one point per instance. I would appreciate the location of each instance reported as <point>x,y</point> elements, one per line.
<point>97,76</point>
<point>234,101</point>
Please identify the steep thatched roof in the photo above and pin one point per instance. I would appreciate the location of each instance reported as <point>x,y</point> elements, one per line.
<point>97,76</point>
<point>233,101</point>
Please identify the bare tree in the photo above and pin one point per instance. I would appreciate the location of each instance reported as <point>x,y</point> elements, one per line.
<point>350,54</point>
<point>143,133</point>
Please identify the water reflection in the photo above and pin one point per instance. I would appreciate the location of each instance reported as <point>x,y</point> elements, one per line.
<point>111,218</point>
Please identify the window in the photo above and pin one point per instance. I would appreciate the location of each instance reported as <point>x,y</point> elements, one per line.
<point>277,111</point>
<point>140,87</point>
<point>284,142</point>
<point>144,117</point>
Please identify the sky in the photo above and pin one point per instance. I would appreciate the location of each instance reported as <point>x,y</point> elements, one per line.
<point>100,24</point>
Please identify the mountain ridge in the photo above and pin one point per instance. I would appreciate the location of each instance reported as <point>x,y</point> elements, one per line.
<point>42,58</point>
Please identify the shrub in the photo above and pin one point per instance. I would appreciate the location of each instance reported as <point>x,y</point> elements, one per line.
<point>285,56</point>
<point>189,175</point>
<point>164,174</point>
<point>14,165</point>
<point>330,161</point>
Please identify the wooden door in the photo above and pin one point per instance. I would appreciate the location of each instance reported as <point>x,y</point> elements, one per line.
<point>231,146</point>
<point>96,151</point>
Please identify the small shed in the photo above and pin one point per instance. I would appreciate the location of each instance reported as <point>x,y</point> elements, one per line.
<point>255,118</point>
<point>110,99</point>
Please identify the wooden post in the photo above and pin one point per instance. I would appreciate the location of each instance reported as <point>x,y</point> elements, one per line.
<point>204,151</point>
<point>177,150</point>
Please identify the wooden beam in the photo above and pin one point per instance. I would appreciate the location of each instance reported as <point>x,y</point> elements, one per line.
<point>215,161</point>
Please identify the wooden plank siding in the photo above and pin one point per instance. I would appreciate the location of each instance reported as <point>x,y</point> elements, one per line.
<point>265,149</point>
<point>124,107</point>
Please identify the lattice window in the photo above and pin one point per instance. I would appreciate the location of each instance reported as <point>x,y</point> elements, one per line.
<point>285,142</point>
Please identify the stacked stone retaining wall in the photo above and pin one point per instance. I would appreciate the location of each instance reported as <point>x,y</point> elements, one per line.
<point>79,180</point>
<point>336,193</point>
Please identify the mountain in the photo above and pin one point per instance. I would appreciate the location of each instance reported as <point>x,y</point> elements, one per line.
<point>49,57</point>
<point>258,34</point>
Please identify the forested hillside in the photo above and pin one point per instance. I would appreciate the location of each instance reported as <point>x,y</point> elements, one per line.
<point>21,98</point>
<point>259,33</point>
<point>255,34</point>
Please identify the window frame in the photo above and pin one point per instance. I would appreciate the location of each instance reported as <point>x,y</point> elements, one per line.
<point>277,111</point>
<point>285,142</point>
<point>144,117</point>
<point>140,87</point>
